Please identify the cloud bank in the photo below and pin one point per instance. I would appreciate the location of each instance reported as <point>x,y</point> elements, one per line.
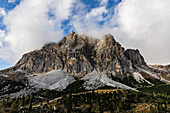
<point>145,24</point>
<point>11,1</point>
<point>31,24</point>
<point>2,12</point>
<point>142,24</point>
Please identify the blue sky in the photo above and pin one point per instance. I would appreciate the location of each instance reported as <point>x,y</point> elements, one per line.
<point>26,25</point>
<point>7,7</point>
<point>89,5</point>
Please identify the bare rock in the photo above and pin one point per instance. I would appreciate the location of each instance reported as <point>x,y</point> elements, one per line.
<point>135,57</point>
<point>110,55</point>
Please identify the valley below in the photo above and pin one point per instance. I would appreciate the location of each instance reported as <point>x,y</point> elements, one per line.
<point>81,74</point>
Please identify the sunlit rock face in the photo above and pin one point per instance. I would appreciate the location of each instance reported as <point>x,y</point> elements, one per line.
<point>79,55</point>
<point>110,55</point>
<point>135,57</point>
<point>96,63</point>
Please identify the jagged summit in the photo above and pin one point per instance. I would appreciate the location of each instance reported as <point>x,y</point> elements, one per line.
<point>107,40</point>
<point>73,39</point>
<point>79,55</point>
<point>97,62</point>
<point>162,67</point>
<point>135,57</point>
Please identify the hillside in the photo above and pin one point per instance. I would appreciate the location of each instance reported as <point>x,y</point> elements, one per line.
<point>82,66</point>
<point>97,62</point>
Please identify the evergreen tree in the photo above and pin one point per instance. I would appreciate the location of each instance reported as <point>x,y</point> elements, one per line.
<point>166,103</point>
<point>47,100</point>
<point>14,105</point>
<point>93,108</point>
<point>57,107</point>
<point>63,108</point>
<point>160,107</point>
<point>152,109</point>
<point>50,109</point>
<point>120,104</point>
<point>22,101</point>
<point>113,96</point>
<point>73,107</point>
<point>136,96</point>
<point>117,110</point>
<point>30,103</point>
<point>100,109</point>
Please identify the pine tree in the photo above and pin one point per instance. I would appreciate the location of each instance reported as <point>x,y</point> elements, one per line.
<point>22,101</point>
<point>57,107</point>
<point>30,103</point>
<point>120,104</point>
<point>63,108</point>
<point>117,110</point>
<point>136,96</point>
<point>160,107</point>
<point>100,109</point>
<point>151,109</point>
<point>93,108</point>
<point>50,109</point>
<point>113,96</point>
<point>14,105</point>
<point>73,107</point>
<point>27,99</point>
<point>47,100</point>
<point>166,103</point>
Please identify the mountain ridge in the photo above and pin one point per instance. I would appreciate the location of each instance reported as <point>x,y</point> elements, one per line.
<point>79,46</point>
<point>79,56</point>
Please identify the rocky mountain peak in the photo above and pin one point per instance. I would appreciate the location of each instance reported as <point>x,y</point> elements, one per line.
<point>135,57</point>
<point>107,41</point>
<point>79,54</point>
<point>74,40</point>
<point>97,63</point>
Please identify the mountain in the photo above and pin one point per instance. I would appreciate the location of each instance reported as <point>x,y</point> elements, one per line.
<point>165,68</point>
<point>77,57</point>
<point>161,67</point>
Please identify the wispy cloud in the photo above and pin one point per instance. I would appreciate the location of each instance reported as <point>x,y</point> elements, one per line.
<point>29,26</point>
<point>2,12</point>
<point>138,24</point>
<point>145,24</point>
<point>2,36</point>
<point>142,24</point>
<point>11,1</point>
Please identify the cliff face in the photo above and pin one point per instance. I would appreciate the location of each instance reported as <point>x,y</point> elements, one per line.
<point>135,57</point>
<point>162,67</point>
<point>97,63</point>
<point>79,55</point>
<point>110,55</point>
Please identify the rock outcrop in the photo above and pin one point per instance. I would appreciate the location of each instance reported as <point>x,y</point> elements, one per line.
<point>79,55</point>
<point>98,63</point>
<point>135,57</point>
<point>110,55</point>
<point>161,68</point>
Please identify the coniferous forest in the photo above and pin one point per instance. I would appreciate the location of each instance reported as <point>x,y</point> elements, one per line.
<point>96,101</point>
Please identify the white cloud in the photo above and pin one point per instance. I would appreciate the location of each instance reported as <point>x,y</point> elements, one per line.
<point>29,26</point>
<point>146,26</point>
<point>97,11</point>
<point>2,35</point>
<point>11,1</point>
<point>88,22</point>
<point>2,12</point>
<point>142,24</point>
<point>103,2</point>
